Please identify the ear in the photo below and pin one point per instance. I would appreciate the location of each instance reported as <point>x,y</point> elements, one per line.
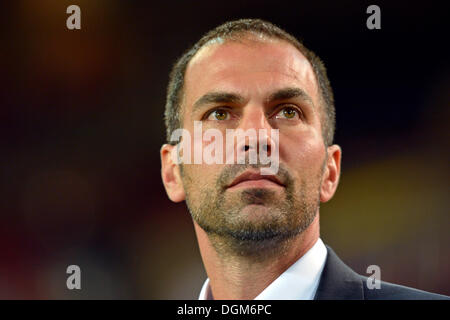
<point>331,173</point>
<point>170,173</point>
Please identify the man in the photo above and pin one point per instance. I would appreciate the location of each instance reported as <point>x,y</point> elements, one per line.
<point>258,233</point>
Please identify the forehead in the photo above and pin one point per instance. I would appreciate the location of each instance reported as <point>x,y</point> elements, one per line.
<point>249,67</point>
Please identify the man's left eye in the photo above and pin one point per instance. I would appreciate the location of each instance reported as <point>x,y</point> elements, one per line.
<point>288,113</point>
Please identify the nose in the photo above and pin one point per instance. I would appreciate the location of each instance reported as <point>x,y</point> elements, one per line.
<point>254,120</point>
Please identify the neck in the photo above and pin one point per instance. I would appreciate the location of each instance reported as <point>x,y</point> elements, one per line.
<point>245,277</point>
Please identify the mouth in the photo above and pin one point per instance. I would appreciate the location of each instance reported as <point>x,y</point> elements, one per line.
<point>252,179</point>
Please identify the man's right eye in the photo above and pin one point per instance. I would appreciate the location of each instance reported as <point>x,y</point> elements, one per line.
<point>219,114</point>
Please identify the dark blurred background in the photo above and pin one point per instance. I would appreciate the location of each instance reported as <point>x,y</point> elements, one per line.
<point>81,125</point>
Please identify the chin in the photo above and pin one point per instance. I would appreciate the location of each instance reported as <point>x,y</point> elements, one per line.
<point>258,212</point>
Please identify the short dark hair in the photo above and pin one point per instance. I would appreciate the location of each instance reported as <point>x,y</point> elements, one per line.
<point>239,29</point>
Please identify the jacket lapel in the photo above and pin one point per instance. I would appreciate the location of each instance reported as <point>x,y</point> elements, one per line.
<point>338,281</point>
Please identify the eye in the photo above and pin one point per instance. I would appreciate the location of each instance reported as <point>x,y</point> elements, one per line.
<point>219,114</point>
<point>288,113</point>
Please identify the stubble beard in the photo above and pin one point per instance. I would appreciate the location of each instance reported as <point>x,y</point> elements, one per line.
<point>256,222</point>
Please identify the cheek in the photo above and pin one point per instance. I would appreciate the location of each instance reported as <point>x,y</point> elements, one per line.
<point>201,177</point>
<point>302,153</point>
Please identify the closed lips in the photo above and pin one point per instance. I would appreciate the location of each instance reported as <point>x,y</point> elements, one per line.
<point>255,176</point>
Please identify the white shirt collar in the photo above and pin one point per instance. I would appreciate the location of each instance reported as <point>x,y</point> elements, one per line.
<point>298,282</point>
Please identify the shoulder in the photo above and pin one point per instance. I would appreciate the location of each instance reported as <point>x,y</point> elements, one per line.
<point>339,282</point>
<point>391,291</point>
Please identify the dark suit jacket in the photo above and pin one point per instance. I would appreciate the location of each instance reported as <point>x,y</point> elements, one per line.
<point>339,282</point>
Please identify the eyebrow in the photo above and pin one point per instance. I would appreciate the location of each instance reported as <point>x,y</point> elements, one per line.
<point>227,97</point>
<point>217,97</point>
<point>290,93</point>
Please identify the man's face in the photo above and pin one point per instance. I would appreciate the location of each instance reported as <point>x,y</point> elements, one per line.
<point>255,85</point>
